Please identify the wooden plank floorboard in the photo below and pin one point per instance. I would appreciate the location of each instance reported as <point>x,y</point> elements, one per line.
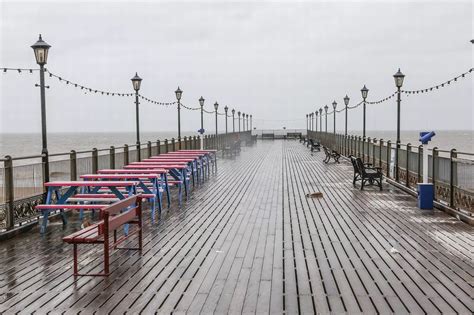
<point>248,240</point>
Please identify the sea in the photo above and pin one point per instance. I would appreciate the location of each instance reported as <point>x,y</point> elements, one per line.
<point>27,144</point>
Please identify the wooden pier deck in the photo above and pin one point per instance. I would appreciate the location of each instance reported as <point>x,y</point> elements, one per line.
<point>249,241</point>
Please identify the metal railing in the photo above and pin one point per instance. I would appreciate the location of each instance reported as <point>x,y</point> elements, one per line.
<point>451,172</point>
<point>21,183</point>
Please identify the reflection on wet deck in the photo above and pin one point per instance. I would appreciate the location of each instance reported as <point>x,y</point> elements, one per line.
<point>249,240</point>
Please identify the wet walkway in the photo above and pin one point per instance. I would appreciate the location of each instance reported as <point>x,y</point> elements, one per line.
<point>249,241</point>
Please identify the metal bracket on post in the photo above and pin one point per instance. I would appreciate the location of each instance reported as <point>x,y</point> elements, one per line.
<point>9,193</point>
<point>73,165</point>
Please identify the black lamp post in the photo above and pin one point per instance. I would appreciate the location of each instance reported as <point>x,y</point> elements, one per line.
<point>225,110</point>
<point>326,111</point>
<point>238,113</point>
<point>320,119</point>
<point>201,103</point>
<point>307,122</point>
<point>247,120</point>
<point>346,102</point>
<point>233,120</point>
<point>136,82</point>
<point>216,107</point>
<point>334,105</point>
<point>178,93</point>
<point>40,48</point>
<point>399,77</point>
<point>250,122</point>
<point>243,122</point>
<point>364,92</point>
<point>312,121</point>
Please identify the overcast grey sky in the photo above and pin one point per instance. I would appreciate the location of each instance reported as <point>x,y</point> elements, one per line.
<point>276,60</point>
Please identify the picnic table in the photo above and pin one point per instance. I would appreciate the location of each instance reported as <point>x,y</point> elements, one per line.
<point>151,192</point>
<point>163,184</point>
<point>178,172</point>
<point>195,166</point>
<point>72,187</point>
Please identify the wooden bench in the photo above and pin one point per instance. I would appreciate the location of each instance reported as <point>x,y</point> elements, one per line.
<point>293,135</point>
<point>268,136</point>
<point>314,145</point>
<point>365,172</point>
<point>127,211</point>
<point>331,154</point>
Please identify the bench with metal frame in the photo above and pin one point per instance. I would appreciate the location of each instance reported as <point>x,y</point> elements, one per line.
<point>331,154</point>
<point>365,172</point>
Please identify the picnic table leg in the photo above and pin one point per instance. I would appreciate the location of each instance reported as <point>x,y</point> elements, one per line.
<point>46,212</point>
<point>192,172</point>
<point>167,191</point>
<point>75,258</point>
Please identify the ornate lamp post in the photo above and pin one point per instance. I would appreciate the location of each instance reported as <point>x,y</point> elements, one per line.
<point>243,121</point>
<point>334,105</point>
<point>399,77</point>
<point>233,120</point>
<point>320,119</point>
<point>346,102</point>
<point>40,48</point>
<point>225,110</point>
<point>238,113</point>
<point>178,93</point>
<point>364,92</point>
<point>326,111</point>
<point>201,131</point>
<point>216,106</point>
<point>136,82</point>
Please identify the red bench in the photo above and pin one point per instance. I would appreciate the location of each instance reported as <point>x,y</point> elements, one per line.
<point>126,211</point>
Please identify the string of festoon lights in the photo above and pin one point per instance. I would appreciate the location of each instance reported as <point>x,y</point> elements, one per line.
<point>409,92</point>
<point>90,90</point>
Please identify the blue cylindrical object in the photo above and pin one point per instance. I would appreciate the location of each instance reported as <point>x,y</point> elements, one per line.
<point>425,196</point>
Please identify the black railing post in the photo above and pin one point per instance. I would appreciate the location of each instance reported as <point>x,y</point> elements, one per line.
<point>433,172</point>
<point>420,157</point>
<point>148,146</point>
<point>368,150</point>
<point>126,155</point>
<point>389,157</point>
<point>453,170</point>
<point>166,146</point>
<point>407,164</point>
<point>158,147</point>
<point>95,160</point>
<point>9,193</point>
<point>173,144</point>
<point>373,150</point>
<point>380,152</point>
<point>397,152</point>
<point>112,157</point>
<point>73,165</point>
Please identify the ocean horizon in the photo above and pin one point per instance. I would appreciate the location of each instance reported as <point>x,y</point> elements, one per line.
<point>25,144</point>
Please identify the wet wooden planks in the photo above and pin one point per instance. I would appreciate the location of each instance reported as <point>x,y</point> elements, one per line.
<point>249,241</point>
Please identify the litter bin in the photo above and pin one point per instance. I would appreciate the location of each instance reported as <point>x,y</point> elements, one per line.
<point>425,196</point>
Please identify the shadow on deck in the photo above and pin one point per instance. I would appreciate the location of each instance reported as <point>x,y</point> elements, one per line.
<point>249,241</point>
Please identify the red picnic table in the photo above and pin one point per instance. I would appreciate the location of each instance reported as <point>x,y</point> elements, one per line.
<point>178,170</point>
<point>92,186</point>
